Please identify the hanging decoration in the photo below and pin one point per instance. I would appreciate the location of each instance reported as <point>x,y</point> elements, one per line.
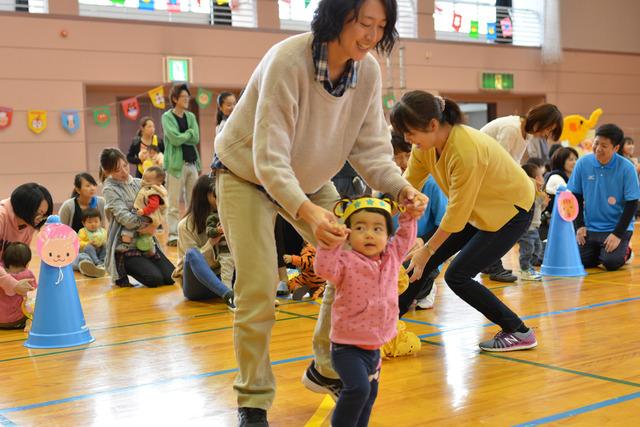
<point>131,108</point>
<point>37,121</point>
<point>491,30</point>
<point>146,5</point>
<point>70,120</point>
<point>173,6</point>
<point>120,2</point>
<point>157,97</point>
<point>388,101</point>
<point>307,3</point>
<point>457,21</point>
<point>473,30</point>
<point>222,2</point>
<point>507,27</point>
<point>203,98</point>
<point>6,114</point>
<point>102,116</point>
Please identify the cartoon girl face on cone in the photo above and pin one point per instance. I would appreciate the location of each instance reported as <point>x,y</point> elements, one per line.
<point>58,245</point>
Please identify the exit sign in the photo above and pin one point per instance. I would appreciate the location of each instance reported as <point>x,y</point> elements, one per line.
<point>497,81</point>
<point>178,69</point>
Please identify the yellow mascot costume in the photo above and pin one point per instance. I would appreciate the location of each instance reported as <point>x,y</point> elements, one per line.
<point>575,127</point>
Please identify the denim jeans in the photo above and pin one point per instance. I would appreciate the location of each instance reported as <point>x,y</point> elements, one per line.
<point>97,255</point>
<point>199,282</point>
<point>530,248</point>
<point>593,253</point>
<point>359,370</point>
<point>477,250</point>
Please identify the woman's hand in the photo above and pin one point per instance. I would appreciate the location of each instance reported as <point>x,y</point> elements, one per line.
<point>414,201</point>
<point>328,232</point>
<point>23,286</point>
<point>418,261</point>
<point>417,245</point>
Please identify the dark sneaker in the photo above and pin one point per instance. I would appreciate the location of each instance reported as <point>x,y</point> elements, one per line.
<point>252,417</point>
<point>228,299</point>
<point>504,276</point>
<point>513,341</point>
<point>300,292</point>
<point>317,383</point>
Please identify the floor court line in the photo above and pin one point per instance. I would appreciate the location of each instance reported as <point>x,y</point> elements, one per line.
<point>581,410</point>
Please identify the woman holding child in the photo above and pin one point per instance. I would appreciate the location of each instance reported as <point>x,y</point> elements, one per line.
<point>120,191</point>
<point>139,150</point>
<point>20,217</point>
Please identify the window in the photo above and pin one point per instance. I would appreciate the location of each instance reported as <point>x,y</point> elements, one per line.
<point>206,12</point>
<point>294,15</point>
<point>481,21</point>
<point>30,6</point>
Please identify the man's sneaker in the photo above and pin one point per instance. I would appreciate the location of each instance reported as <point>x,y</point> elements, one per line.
<point>503,276</point>
<point>513,341</point>
<point>89,269</point>
<point>252,417</point>
<point>427,302</point>
<point>317,383</point>
<point>531,275</point>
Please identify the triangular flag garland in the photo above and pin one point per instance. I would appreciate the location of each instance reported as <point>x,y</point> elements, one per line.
<point>306,3</point>
<point>157,97</point>
<point>173,6</point>
<point>456,23</point>
<point>146,5</point>
<point>37,121</point>
<point>70,120</point>
<point>131,108</point>
<point>507,27</point>
<point>491,30</point>
<point>102,116</point>
<point>6,114</point>
<point>473,30</point>
<point>203,98</point>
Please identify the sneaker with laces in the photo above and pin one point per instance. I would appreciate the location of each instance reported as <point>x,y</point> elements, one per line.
<point>252,417</point>
<point>89,269</point>
<point>510,341</point>
<point>318,383</point>
<point>503,276</point>
<point>531,275</point>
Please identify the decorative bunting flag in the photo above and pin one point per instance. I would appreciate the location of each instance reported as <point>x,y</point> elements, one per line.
<point>491,30</point>
<point>117,2</point>
<point>6,114</point>
<point>221,2</point>
<point>306,3</point>
<point>70,120</point>
<point>457,21</point>
<point>388,101</point>
<point>173,6</point>
<point>473,31</point>
<point>146,5</point>
<point>203,98</point>
<point>131,108</point>
<point>102,116</point>
<point>507,28</point>
<point>37,121</point>
<point>157,97</point>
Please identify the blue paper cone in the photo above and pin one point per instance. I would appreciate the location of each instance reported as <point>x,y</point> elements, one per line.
<point>561,255</point>
<point>58,320</point>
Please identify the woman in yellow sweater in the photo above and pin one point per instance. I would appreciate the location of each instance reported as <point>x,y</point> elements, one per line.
<point>490,205</point>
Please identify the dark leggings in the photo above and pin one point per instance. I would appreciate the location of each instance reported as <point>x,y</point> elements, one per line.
<point>478,249</point>
<point>151,272</point>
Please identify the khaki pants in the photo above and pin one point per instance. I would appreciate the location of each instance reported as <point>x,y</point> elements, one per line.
<point>176,187</point>
<point>248,219</point>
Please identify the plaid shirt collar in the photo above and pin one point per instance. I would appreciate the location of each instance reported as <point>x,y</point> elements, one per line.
<point>349,77</point>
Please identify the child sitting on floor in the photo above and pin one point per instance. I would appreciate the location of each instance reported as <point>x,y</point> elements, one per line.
<point>307,282</point>
<point>93,236</point>
<point>364,314</point>
<point>15,258</point>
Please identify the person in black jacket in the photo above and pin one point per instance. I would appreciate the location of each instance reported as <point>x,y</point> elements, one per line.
<point>145,137</point>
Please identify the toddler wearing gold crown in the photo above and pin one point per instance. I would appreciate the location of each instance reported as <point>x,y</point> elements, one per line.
<point>365,309</point>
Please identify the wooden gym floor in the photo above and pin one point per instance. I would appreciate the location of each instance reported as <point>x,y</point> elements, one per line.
<point>160,360</point>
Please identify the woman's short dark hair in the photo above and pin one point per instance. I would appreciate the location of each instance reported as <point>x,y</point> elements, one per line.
<point>77,182</point>
<point>560,157</point>
<point>16,254</point>
<point>417,108</point>
<point>219,101</point>
<point>176,90</point>
<point>26,199</point>
<point>109,159</point>
<point>544,116</point>
<point>613,132</point>
<point>399,144</point>
<point>199,207</point>
<point>331,15</point>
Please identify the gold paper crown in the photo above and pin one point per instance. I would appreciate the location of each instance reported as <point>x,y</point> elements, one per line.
<point>346,207</point>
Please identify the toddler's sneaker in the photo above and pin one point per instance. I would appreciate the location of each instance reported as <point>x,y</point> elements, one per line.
<point>512,341</point>
<point>530,275</point>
